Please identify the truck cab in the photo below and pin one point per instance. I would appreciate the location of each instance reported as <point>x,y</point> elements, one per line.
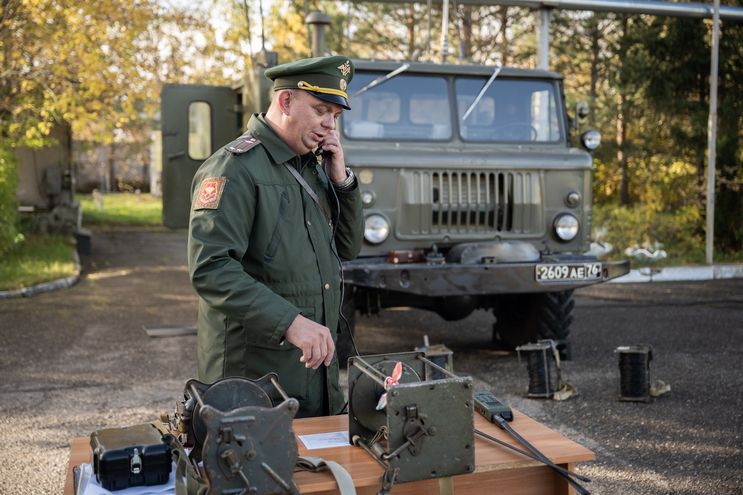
<point>474,196</point>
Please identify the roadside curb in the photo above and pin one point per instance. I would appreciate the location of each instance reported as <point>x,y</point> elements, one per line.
<point>61,283</point>
<point>680,274</point>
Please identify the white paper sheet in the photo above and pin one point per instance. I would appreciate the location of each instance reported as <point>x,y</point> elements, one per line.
<point>325,440</point>
<point>90,485</point>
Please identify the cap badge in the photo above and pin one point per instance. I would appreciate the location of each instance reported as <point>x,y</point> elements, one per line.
<point>345,68</point>
<point>343,84</point>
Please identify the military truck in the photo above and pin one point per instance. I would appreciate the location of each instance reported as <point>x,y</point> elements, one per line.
<point>474,197</point>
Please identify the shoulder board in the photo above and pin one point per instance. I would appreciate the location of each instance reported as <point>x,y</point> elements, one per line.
<point>242,144</point>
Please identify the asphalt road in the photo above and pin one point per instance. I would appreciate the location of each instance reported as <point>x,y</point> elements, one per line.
<point>77,360</point>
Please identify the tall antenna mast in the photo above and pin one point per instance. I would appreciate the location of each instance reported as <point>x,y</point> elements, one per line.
<point>263,34</point>
<point>309,30</point>
<point>428,41</point>
<point>247,23</point>
<point>445,32</point>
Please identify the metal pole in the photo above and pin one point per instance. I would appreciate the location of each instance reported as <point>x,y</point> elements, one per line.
<point>543,41</point>
<point>263,34</point>
<point>309,28</point>
<point>445,32</point>
<point>712,137</point>
<point>428,47</point>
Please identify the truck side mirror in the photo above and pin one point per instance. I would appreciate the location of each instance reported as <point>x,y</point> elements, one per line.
<point>582,110</point>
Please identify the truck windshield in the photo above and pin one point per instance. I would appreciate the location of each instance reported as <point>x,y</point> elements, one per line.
<point>509,111</point>
<point>406,107</point>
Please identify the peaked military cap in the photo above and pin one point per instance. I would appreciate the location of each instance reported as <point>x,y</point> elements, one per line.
<point>324,77</point>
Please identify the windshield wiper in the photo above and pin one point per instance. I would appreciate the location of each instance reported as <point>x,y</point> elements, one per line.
<point>381,79</point>
<point>482,92</point>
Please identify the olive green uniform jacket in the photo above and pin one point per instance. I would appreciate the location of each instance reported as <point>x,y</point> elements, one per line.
<point>261,254</point>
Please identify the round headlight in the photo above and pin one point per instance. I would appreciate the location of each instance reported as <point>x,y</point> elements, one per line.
<point>591,140</point>
<point>376,229</point>
<point>367,198</point>
<point>572,199</point>
<point>566,227</point>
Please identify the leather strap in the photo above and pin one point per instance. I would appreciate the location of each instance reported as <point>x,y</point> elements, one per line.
<point>342,478</point>
<point>309,191</point>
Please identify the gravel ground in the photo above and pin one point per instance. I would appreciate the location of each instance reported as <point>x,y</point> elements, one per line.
<point>77,360</point>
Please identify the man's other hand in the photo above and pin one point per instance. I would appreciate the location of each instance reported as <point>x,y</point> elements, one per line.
<point>313,339</point>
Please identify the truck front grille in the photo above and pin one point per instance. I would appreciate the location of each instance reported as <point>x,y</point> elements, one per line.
<point>485,201</point>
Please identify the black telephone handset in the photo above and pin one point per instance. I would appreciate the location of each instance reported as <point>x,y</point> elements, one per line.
<point>321,152</point>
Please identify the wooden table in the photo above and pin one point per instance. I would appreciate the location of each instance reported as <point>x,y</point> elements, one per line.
<point>497,468</point>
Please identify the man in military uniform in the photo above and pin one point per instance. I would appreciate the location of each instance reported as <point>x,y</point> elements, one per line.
<point>273,214</point>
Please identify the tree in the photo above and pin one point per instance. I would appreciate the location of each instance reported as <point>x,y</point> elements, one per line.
<point>391,31</point>
<point>80,64</point>
<point>66,63</point>
<point>288,35</point>
<point>679,89</point>
<point>405,31</point>
<point>97,66</point>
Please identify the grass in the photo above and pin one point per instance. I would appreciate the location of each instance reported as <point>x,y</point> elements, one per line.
<point>118,209</point>
<point>37,259</point>
<point>692,257</point>
<point>687,258</point>
<point>680,233</point>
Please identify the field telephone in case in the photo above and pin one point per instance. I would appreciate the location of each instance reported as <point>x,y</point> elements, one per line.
<point>130,456</point>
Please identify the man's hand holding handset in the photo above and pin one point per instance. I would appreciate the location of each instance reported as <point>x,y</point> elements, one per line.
<point>332,152</point>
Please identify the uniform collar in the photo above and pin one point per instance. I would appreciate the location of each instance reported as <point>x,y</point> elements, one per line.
<point>260,129</point>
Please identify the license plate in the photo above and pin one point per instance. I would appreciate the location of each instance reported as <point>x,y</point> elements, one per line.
<point>568,272</point>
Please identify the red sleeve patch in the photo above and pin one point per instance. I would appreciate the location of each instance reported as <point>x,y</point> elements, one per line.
<point>210,193</point>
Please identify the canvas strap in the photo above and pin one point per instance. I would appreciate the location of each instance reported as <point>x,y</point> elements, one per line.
<point>342,478</point>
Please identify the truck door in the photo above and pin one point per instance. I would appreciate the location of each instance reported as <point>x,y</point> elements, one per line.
<point>197,120</point>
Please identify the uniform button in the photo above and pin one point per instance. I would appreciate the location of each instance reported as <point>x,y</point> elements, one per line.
<point>309,223</point>
<point>327,286</point>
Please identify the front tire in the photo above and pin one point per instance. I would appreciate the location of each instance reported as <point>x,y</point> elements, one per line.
<point>524,318</point>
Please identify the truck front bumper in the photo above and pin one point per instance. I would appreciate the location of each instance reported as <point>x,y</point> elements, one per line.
<point>456,279</point>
